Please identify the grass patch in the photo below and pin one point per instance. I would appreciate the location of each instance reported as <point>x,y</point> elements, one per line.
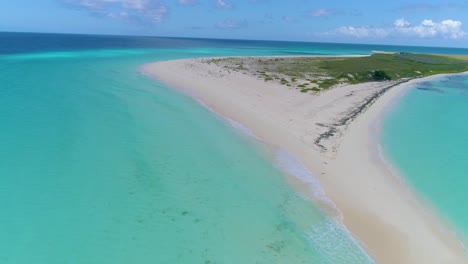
<point>393,66</point>
<point>328,72</point>
<point>325,84</point>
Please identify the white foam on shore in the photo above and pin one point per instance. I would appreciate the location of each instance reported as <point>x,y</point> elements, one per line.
<point>234,124</point>
<point>347,250</point>
<point>243,129</point>
<point>292,166</point>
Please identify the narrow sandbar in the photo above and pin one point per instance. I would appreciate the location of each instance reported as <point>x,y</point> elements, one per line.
<point>383,214</point>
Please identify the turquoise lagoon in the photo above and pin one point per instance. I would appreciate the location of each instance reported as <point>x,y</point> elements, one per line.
<point>425,137</point>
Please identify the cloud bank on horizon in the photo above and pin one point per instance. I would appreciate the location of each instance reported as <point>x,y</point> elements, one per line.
<point>427,28</point>
<point>140,10</point>
<point>398,22</point>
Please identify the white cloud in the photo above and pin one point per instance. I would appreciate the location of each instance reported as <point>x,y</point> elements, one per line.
<point>187,2</point>
<point>156,13</point>
<point>321,12</point>
<point>100,4</point>
<point>290,19</point>
<point>140,10</point>
<point>122,15</point>
<point>401,23</point>
<point>361,32</point>
<point>231,24</point>
<point>425,7</point>
<point>449,28</point>
<point>427,28</point>
<point>223,4</point>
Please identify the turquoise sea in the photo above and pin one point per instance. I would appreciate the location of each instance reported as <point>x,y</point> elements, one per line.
<point>425,137</point>
<point>101,164</point>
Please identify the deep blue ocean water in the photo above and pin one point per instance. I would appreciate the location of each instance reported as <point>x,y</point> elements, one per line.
<point>101,164</point>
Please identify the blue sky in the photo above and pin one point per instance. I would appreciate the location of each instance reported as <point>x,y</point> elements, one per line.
<point>428,23</point>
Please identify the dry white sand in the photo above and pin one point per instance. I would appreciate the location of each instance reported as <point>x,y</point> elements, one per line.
<point>381,212</point>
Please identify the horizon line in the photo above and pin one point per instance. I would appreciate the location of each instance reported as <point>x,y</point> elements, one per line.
<point>227,39</point>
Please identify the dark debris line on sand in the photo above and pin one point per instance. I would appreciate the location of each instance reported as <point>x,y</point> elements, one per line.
<point>350,116</point>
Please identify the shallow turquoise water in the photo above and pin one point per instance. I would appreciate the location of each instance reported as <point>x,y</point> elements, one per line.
<point>425,137</point>
<point>100,164</point>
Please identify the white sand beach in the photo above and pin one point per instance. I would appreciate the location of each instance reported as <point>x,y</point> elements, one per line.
<point>334,135</point>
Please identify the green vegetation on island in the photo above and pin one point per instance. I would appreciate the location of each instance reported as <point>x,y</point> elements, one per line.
<point>320,73</point>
